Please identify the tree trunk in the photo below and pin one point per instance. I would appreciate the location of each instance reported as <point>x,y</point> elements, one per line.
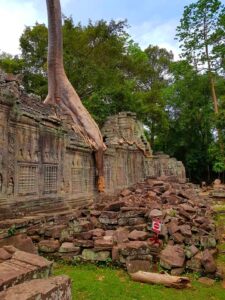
<point>164,279</point>
<point>62,93</point>
<point>213,91</point>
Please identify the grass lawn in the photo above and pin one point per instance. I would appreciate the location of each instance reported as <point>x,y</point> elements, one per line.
<point>90,282</point>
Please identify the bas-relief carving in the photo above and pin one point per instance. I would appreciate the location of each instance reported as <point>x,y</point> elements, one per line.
<point>1,183</point>
<point>49,164</point>
<point>11,161</point>
<point>27,140</point>
<point>49,147</point>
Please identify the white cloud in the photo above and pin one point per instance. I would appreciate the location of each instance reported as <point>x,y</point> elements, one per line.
<point>156,33</point>
<point>14,15</point>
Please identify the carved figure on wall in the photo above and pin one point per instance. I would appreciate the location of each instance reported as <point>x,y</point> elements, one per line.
<point>10,189</point>
<point>1,183</point>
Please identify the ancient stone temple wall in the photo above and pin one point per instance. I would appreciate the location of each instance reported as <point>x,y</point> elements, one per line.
<point>45,165</point>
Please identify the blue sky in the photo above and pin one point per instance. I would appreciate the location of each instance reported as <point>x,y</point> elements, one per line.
<point>151,21</point>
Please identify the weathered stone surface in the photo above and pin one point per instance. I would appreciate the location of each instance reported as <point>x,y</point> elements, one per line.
<point>177,271</point>
<point>208,262</point>
<point>23,266</point>
<point>98,232</point>
<point>195,263</point>
<point>188,208</point>
<point>48,246</point>
<point>84,243</point>
<point>69,247</point>
<point>173,227</point>
<point>185,230</point>
<point>54,231</point>
<point>115,206</point>
<point>4,255</point>
<point>104,243</point>
<point>120,235</point>
<point>108,217</point>
<point>134,248</point>
<point>155,213</point>
<point>21,242</point>
<point>138,265</point>
<point>191,251</point>
<point>136,235</point>
<point>55,288</point>
<point>172,256</point>
<point>66,235</point>
<point>206,281</point>
<point>125,193</point>
<point>178,238</point>
<point>91,255</point>
<point>208,241</point>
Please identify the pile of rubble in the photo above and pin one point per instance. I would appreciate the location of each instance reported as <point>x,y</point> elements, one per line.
<point>120,229</point>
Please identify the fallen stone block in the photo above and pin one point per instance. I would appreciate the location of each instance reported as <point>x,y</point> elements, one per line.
<point>4,255</point>
<point>134,266</point>
<point>48,246</point>
<point>54,231</point>
<point>55,288</point>
<point>136,235</point>
<point>105,243</point>
<point>172,257</point>
<point>91,255</point>
<point>206,281</point>
<point>195,263</point>
<point>208,262</point>
<point>21,242</point>
<point>69,247</point>
<point>23,266</point>
<point>115,206</point>
<point>84,243</point>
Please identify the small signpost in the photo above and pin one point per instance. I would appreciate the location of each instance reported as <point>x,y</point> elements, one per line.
<point>156,228</point>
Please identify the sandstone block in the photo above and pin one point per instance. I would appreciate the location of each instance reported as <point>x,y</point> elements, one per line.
<point>55,288</point>
<point>91,255</point>
<point>21,242</point>
<point>138,265</point>
<point>68,247</point>
<point>48,246</point>
<point>172,257</point>
<point>136,235</point>
<point>208,262</point>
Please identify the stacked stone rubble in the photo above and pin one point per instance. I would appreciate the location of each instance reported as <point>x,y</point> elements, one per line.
<point>118,229</point>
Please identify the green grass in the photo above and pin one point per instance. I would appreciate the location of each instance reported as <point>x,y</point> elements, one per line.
<point>90,282</point>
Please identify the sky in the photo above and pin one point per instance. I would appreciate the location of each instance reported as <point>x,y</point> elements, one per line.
<point>151,21</point>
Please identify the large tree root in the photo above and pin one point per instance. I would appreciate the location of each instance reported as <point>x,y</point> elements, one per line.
<point>164,279</point>
<point>61,92</point>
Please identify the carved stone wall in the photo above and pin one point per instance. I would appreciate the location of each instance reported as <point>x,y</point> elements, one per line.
<point>45,165</point>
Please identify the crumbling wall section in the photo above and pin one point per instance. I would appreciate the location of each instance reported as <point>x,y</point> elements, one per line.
<point>46,166</point>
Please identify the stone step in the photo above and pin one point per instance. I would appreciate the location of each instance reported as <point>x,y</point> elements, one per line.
<point>55,288</point>
<point>21,266</point>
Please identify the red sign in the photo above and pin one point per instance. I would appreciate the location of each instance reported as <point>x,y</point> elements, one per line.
<point>156,226</point>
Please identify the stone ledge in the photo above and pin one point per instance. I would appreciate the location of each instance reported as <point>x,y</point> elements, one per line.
<point>55,288</point>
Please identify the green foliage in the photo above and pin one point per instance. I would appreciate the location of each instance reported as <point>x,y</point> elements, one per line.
<point>198,33</point>
<point>190,114</point>
<point>12,230</point>
<point>11,64</point>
